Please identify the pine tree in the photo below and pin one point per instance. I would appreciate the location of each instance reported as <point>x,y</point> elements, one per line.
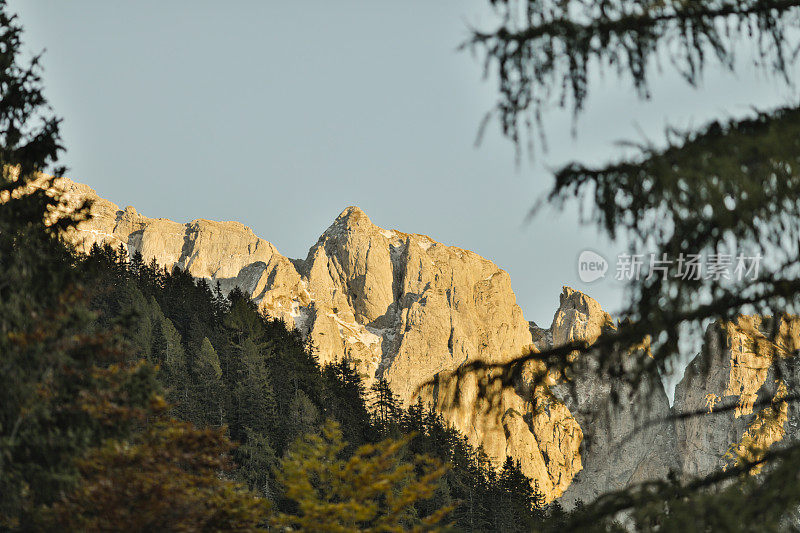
<point>208,387</point>
<point>303,414</point>
<point>383,402</point>
<point>344,401</point>
<point>514,499</point>
<point>168,353</point>
<point>253,397</point>
<point>256,459</point>
<point>372,490</point>
<point>168,479</point>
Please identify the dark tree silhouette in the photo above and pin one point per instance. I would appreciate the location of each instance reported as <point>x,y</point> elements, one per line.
<point>730,188</point>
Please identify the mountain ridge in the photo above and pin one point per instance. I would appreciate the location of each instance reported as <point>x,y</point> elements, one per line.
<point>411,310</point>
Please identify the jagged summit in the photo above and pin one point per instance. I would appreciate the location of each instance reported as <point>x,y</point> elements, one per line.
<point>353,213</point>
<point>352,218</point>
<point>400,305</point>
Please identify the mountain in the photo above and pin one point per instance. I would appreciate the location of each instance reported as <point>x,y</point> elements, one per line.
<point>741,377</point>
<point>411,310</point>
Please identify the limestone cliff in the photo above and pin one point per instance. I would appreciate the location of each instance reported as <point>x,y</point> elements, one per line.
<point>628,436</point>
<point>402,306</point>
<point>744,368</point>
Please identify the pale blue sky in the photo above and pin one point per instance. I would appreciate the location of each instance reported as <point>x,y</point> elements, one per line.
<point>280,114</point>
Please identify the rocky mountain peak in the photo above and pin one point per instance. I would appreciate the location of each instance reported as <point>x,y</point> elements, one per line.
<point>403,307</point>
<point>351,219</point>
<point>353,216</point>
<point>400,306</point>
<point>578,318</point>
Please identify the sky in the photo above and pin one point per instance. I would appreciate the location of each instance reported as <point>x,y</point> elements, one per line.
<point>281,114</point>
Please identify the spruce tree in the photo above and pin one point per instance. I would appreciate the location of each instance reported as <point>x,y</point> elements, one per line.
<point>208,386</point>
<point>383,402</point>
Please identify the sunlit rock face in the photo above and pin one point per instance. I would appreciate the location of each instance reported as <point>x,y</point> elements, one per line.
<point>744,370</point>
<point>402,306</point>
<point>628,437</point>
<point>405,307</point>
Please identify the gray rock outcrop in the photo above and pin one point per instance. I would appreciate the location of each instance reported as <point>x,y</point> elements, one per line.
<point>628,435</point>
